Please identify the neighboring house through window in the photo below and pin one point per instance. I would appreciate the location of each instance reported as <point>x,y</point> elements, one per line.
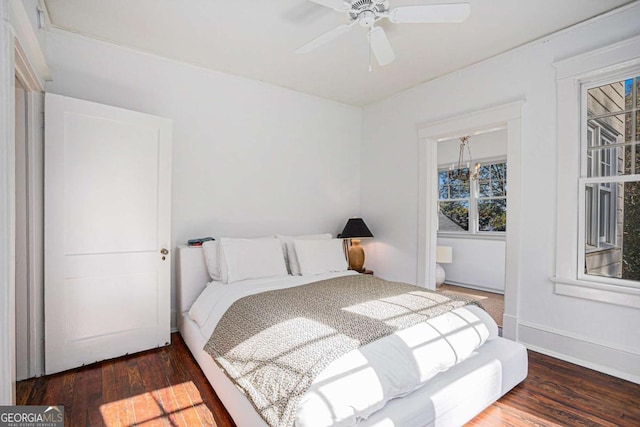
<point>611,116</point>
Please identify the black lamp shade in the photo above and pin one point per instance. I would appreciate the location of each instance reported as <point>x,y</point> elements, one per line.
<point>355,229</point>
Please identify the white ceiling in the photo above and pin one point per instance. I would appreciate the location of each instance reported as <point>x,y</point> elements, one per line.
<point>257,38</point>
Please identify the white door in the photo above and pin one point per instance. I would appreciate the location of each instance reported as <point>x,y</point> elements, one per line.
<point>107,228</point>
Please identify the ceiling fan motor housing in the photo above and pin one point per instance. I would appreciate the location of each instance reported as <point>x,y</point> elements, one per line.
<point>366,11</point>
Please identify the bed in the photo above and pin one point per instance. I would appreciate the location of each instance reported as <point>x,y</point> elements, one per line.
<point>449,398</point>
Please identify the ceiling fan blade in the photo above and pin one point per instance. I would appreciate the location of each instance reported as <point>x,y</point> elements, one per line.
<point>380,45</point>
<point>325,38</point>
<point>334,4</point>
<point>430,14</point>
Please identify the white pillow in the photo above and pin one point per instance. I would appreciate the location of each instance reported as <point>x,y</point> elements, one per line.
<point>202,307</point>
<point>320,256</point>
<point>290,251</point>
<point>241,259</point>
<point>210,251</point>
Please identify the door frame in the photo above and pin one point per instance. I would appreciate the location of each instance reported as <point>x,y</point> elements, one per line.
<point>34,98</point>
<point>16,34</point>
<point>508,115</point>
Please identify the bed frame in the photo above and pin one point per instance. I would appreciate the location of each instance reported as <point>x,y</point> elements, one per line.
<point>451,398</point>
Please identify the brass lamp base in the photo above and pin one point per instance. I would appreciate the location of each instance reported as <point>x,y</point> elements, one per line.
<point>356,256</point>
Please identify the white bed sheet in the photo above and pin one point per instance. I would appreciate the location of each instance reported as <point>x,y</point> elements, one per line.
<point>356,386</point>
<point>451,398</point>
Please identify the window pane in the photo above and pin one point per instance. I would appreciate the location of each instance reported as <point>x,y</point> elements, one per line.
<point>606,99</point>
<point>492,215</point>
<point>459,190</point>
<point>443,185</point>
<point>606,162</point>
<point>617,253</point>
<point>638,92</point>
<point>631,231</point>
<point>484,188</point>
<point>632,159</point>
<point>610,130</point>
<point>628,94</point>
<point>454,216</point>
<point>492,180</point>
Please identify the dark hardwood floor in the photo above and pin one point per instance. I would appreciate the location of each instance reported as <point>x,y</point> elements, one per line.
<point>160,387</point>
<point>165,387</point>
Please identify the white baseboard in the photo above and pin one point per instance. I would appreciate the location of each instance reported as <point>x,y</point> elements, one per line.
<point>618,361</point>
<point>474,287</point>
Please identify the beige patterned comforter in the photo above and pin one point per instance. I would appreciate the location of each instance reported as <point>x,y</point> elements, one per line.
<point>272,345</point>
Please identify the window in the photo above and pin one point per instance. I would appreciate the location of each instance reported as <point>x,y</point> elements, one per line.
<point>473,206</point>
<point>610,179</point>
<point>598,175</point>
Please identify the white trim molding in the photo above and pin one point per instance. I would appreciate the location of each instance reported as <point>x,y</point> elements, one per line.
<point>571,74</point>
<point>30,47</point>
<point>7,227</point>
<point>506,115</point>
<point>21,55</point>
<point>587,352</point>
<point>602,292</point>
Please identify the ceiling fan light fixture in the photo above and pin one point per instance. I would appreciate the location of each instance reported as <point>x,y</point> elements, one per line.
<point>367,18</point>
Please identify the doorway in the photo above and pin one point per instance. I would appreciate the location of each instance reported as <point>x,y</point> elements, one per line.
<point>505,116</point>
<point>472,215</point>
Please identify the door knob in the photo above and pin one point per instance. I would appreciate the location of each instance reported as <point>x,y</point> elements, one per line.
<point>164,251</point>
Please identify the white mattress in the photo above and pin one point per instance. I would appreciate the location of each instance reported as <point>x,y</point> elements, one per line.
<point>489,371</point>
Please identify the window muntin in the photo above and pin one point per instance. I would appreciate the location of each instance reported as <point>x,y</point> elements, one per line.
<point>473,206</point>
<point>610,181</point>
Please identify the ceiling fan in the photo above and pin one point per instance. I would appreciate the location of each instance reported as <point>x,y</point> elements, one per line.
<point>368,12</point>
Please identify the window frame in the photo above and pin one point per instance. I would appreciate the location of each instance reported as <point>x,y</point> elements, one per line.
<point>474,231</point>
<point>571,73</point>
<point>601,183</point>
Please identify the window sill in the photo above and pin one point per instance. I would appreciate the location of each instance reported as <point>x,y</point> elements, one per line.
<point>600,292</point>
<point>472,236</point>
<point>602,248</point>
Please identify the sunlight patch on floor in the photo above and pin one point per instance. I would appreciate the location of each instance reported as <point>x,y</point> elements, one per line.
<point>177,405</point>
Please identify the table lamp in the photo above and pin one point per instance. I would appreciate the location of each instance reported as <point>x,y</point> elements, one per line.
<point>355,229</point>
<point>444,255</point>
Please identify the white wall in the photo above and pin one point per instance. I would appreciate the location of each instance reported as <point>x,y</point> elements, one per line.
<point>31,10</point>
<point>477,263</point>
<point>249,159</point>
<point>599,335</point>
<point>489,145</point>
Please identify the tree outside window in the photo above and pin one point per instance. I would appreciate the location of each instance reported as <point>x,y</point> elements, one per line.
<point>474,206</point>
